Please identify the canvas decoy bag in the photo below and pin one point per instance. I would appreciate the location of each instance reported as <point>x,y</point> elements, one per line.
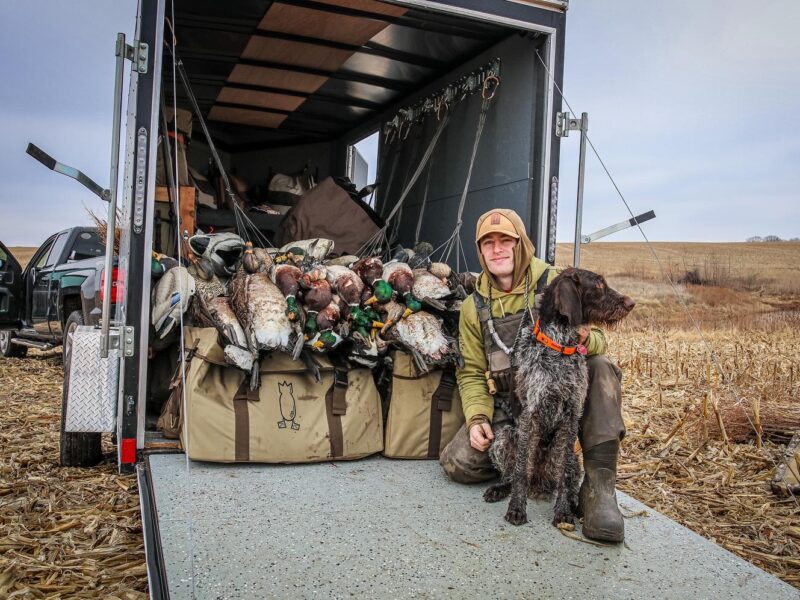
<point>424,410</point>
<point>290,419</point>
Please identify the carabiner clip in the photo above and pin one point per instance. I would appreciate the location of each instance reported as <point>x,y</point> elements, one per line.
<point>490,85</point>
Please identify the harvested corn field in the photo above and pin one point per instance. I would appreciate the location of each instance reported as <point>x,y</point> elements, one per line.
<point>690,452</point>
<point>64,532</point>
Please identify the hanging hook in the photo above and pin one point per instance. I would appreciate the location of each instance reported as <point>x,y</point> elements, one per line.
<point>490,85</point>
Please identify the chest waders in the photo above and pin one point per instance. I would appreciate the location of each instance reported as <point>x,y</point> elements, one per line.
<point>498,342</point>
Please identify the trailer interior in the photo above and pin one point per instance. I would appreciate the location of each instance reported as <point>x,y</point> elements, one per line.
<point>291,86</point>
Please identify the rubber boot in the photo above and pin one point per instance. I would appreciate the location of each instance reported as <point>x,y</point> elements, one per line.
<point>602,519</point>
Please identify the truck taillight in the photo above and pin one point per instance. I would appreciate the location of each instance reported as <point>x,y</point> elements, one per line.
<point>117,289</point>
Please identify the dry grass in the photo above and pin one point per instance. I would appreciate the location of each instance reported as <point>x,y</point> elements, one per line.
<point>771,268</point>
<point>71,532</point>
<point>23,253</point>
<point>64,532</point>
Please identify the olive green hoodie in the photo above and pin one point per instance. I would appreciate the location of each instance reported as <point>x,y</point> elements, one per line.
<point>475,397</point>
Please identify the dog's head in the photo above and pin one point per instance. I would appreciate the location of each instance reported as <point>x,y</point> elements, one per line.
<point>581,297</point>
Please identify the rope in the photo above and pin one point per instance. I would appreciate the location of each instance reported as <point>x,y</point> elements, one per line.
<point>184,402</point>
<point>424,202</point>
<point>456,235</point>
<point>712,353</point>
<point>376,241</point>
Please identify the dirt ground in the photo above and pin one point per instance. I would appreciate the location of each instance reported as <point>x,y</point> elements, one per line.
<point>691,451</point>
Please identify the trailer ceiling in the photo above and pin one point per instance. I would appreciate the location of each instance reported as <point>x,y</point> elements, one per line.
<point>297,71</point>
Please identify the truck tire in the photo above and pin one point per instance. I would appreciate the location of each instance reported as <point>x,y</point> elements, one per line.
<point>74,319</point>
<point>9,350</point>
<point>77,449</point>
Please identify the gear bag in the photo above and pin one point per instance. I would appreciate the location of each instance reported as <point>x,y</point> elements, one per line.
<point>289,419</point>
<point>329,211</point>
<point>424,410</point>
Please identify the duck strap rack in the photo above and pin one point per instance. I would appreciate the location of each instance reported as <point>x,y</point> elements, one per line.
<point>488,91</point>
<point>485,80</point>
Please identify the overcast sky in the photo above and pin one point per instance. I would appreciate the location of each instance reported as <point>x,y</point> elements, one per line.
<point>693,106</point>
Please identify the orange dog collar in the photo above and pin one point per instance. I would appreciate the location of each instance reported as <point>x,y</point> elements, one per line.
<point>546,341</point>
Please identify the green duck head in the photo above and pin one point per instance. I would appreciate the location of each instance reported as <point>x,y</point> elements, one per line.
<point>291,308</point>
<point>381,292</point>
<point>326,340</point>
<point>311,322</point>
<point>411,303</point>
<point>358,317</point>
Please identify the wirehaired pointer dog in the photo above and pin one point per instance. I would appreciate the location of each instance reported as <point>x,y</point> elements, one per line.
<point>535,457</point>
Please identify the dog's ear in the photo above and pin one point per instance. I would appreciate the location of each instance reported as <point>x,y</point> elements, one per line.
<point>568,300</point>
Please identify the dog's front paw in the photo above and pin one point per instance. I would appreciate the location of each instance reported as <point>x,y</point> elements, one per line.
<point>516,515</point>
<point>563,517</point>
<point>496,492</point>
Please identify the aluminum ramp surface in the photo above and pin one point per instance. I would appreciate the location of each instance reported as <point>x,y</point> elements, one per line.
<point>380,528</point>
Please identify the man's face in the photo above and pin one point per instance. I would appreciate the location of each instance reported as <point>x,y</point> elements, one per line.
<point>497,250</point>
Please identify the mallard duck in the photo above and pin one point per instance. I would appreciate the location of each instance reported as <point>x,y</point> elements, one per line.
<point>370,269</point>
<point>329,316</point>
<point>317,295</point>
<point>324,341</point>
<point>349,288</point>
<point>430,289</point>
<point>400,276</point>
<point>392,312</point>
<point>287,276</point>
<point>421,334</point>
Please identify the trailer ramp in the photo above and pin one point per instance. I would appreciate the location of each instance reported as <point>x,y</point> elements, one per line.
<point>380,528</point>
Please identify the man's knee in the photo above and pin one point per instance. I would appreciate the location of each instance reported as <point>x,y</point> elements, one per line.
<point>602,367</point>
<point>464,464</point>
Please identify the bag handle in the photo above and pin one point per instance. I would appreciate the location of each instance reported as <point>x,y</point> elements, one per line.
<point>441,401</point>
<point>335,407</point>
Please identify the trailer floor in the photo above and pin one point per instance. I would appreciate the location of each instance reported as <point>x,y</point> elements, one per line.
<point>380,528</point>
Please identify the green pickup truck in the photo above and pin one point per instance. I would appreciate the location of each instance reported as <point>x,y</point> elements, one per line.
<point>59,289</point>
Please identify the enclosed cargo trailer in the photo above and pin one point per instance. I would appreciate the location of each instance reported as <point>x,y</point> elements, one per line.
<point>300,82</point>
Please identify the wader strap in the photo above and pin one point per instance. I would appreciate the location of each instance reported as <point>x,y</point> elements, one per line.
<point>441,401</point>
<point>541,283</point>
<point>484,315</point>
<point>335,434</point>
<point>241,415</point>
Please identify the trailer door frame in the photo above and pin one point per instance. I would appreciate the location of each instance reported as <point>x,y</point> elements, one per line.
<point>139,184</point>
<point>137,231</point>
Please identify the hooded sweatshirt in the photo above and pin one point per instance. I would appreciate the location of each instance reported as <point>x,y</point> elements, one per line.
<point>472,387</point>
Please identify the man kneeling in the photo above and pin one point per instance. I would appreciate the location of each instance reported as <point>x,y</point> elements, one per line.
<point>490,319</point>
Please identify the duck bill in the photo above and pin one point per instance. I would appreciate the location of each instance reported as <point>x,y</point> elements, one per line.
<point>318,345</point>
<point>406,313</point>
<point>370,300</point>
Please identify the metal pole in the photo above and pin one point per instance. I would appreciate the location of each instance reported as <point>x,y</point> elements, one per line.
<point>112,204</point>
<point>579,213</point>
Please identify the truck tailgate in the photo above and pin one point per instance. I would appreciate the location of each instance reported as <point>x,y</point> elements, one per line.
<point>380,528</point>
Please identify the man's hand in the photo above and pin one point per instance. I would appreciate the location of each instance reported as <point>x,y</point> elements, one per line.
<point>583,334</point>
<point>480,435</point>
